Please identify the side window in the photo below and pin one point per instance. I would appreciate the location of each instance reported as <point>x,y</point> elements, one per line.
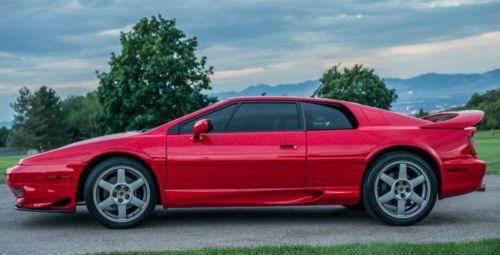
<point>255,117</point>
<point>218,118</point>
<point>324,117</point>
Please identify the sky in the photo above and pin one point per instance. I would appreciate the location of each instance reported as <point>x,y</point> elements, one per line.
<point>61,43</point>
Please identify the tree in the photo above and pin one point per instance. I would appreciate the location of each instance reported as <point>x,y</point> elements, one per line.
<point>80,113</point>
<point>489,103</point>
<point>156,78</point>
<point>21,134</point>
<point>4,133</point>
<point>38,120</point>
<point>356,84</point>
<point>46,119</point>
<point>421,113</point>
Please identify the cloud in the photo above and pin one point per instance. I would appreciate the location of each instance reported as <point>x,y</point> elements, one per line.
<point>328,20</point>
<point>73,5</point>
<point>66,64</point>
<point>7,70</point>
<point>115,32</point>
<point>225,74</point>
<point>237,73</point>
<point>57,42</point>
<point>78,86</point>
<point>485,41</point>
<point>453,3</point>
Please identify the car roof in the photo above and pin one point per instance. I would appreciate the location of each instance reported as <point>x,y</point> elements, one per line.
<point>284,98</point>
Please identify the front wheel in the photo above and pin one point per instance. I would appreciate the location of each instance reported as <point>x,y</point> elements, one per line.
<point>120,193</point>
<point>400,188</point>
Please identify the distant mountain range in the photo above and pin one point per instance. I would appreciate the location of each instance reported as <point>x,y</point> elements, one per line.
<point>432,91</point>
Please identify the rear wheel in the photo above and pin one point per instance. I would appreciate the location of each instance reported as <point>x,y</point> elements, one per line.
<point>400,188</point>
<point>120,193</point>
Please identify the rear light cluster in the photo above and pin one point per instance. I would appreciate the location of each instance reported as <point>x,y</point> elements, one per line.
<point>472,146</point>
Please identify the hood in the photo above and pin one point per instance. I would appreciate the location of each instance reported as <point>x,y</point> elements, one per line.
<point>102,138</point>
<point>73,152</point>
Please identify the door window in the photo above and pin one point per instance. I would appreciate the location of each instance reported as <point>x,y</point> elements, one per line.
<point>218,119</point>
<point>325,117</point>
<point>262,117</point>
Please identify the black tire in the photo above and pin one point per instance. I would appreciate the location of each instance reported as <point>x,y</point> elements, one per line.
<point>119,162</point>
<point>372,202</point>
<point>358,207</point>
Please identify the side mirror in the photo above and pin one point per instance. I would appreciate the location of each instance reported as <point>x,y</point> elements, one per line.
<point>200,127</point>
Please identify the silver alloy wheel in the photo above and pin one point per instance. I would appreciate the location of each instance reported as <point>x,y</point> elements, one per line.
<point>121,194</point>
<point>402,189</point>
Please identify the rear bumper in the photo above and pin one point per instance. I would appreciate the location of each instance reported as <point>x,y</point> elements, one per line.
<point>461,176</point>
<point>35,194</point>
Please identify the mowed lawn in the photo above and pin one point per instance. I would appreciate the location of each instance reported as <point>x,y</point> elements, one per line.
<point>488,149</point>
<point>6,162</point>
<point>483,247</point>
<point>488,146</point>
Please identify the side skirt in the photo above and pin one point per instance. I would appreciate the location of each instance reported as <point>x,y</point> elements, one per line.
<point>262,197</point>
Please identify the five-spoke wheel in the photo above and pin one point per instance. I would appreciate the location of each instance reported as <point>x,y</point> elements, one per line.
<point>400,188</point>
<point>120,192</point>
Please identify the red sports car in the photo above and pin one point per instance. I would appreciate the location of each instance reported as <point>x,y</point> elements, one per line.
<point>261,151</point>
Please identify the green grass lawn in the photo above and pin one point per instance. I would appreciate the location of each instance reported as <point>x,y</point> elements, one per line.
<point>488,146</point>
<point>6,162</point>
<point>488,149</point>
<point>484,247</point>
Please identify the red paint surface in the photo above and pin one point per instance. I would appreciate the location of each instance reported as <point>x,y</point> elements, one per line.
<point>259,168</point>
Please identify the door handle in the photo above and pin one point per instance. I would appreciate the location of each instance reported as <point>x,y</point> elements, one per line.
<point>288,146</point>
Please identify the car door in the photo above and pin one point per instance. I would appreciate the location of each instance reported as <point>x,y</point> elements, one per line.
<point>250,145</point>
<point>335,148</point>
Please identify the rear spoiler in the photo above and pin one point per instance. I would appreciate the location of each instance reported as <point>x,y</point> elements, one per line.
<point>453,120</point>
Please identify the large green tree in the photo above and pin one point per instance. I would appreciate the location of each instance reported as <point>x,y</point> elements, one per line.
<point>156,77</point>
<point>357,84</point>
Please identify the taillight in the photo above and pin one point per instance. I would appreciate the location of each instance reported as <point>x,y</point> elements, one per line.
<point>472,146</point>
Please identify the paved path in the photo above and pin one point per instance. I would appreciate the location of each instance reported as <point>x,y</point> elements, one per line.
<point>470,217</point>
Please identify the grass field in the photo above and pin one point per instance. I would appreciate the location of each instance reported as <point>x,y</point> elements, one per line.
<point>488,149</point>
<point>488,146</point>
<point>6,162</point>
<point>484,247</point>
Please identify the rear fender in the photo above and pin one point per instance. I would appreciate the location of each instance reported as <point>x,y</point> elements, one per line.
<point>402,144</point>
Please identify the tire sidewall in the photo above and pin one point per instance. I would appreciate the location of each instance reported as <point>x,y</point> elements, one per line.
<point>91,182</point>
<point>369,196</point>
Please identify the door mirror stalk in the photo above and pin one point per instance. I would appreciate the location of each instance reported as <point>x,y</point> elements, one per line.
<point>200,127</point>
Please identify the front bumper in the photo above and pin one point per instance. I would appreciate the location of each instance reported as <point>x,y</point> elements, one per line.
<point>37,187</point>
<point>461,176</point>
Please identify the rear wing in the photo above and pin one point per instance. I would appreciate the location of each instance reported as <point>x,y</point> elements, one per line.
<point>453,120</point>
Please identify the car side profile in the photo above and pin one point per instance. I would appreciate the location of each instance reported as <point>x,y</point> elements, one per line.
<point>261,151</point>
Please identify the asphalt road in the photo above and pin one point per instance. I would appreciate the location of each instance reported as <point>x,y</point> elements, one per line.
<point>469,217</point>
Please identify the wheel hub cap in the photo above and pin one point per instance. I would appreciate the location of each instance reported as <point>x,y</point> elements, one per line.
<point>403,189</point>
